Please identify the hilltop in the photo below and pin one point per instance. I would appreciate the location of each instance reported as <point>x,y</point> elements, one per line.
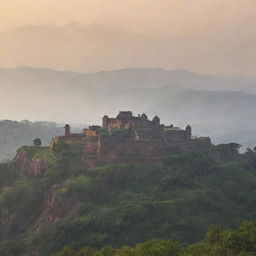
<point>15,134</point>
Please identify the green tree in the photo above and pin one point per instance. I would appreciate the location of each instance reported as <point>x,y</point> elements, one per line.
<point>66,252</point>
<point>59,147</point>
<point>105,251</point>
<point>158,248</point>
<point>214,234</point>
<point>37,142</point>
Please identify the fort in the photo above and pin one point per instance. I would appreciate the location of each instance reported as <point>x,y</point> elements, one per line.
<point>128,138</point>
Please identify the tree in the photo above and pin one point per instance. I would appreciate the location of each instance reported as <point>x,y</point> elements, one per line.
<point>59,147</point>
<point>37,142</point>
<point>66,252</point>
<point>214,234</point>
<point>158,248</point>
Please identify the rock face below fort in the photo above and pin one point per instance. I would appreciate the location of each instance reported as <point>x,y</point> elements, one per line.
<point>129,138</point>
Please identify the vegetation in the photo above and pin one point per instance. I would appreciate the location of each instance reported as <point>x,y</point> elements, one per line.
<point>74,206</point>
<point>37,142</point>
<point>218,242</point>
<point>125,133</point>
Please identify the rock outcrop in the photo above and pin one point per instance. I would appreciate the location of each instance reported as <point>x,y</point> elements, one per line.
<point>28,164</point>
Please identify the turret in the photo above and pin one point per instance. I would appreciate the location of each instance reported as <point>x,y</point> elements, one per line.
<point>156,121</point>
<point>144,116</point>
<point>189,132</point>
<point>67,130</point>
<point>105,122</point>
<point>124,115</point>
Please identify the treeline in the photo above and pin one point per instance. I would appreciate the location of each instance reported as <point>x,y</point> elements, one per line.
<point>217,242</point>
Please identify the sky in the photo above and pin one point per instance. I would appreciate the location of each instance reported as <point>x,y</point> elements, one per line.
<point>158,16</point>
<point>207,36</point>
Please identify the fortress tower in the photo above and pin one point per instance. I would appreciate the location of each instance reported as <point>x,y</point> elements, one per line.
<point>67,130</point>
<point>156,121</point>
<point>189,132</point>
<point>126,120</point>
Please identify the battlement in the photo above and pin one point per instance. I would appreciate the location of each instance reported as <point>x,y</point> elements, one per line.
<point>131,138</point>
<point>126,120</point>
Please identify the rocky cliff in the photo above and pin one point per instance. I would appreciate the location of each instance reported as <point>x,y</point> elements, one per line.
<point>32,161</point>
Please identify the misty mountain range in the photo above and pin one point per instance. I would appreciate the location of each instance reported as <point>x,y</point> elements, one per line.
<point>222,107</point>
<point>83,98</point>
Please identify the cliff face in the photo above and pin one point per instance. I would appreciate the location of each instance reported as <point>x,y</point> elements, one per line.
<point>58,205</point>
<point>29,162</point>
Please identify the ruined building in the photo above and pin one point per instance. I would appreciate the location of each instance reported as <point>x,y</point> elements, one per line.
<point>128,138</point>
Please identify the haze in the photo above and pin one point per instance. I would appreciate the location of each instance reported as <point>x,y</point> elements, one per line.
<point>209,36</point>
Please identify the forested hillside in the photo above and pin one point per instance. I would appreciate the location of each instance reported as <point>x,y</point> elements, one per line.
<point>71,205</point>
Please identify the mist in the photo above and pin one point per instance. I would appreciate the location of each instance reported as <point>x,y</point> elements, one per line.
<point>210,37</point>
<point>190,62</point>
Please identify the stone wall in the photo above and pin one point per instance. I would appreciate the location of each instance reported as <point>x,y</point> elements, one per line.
<point>114,150</point>
<point>176,135</point>
<point>131,145</point>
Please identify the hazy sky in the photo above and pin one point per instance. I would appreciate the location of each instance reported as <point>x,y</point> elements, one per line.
<point>211,36</point>
<point>160,16</point>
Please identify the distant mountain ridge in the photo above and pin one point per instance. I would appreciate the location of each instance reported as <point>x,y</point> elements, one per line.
<point>131,78</point>
<point>98,47</point>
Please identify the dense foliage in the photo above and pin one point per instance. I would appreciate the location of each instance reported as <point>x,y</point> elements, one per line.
<point>125,204</point>
<point>218,242</point>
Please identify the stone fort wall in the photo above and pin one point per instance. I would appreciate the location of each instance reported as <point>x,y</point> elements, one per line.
<point>129,139</point>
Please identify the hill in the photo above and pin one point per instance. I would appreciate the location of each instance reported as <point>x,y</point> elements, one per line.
<point>69,204</point>
<point>30,77</point>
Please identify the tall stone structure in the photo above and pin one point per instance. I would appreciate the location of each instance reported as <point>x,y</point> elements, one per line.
<point>189,132</point>
<point>128,138</point>
<point>125,120</point>
<point>67,130</point>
